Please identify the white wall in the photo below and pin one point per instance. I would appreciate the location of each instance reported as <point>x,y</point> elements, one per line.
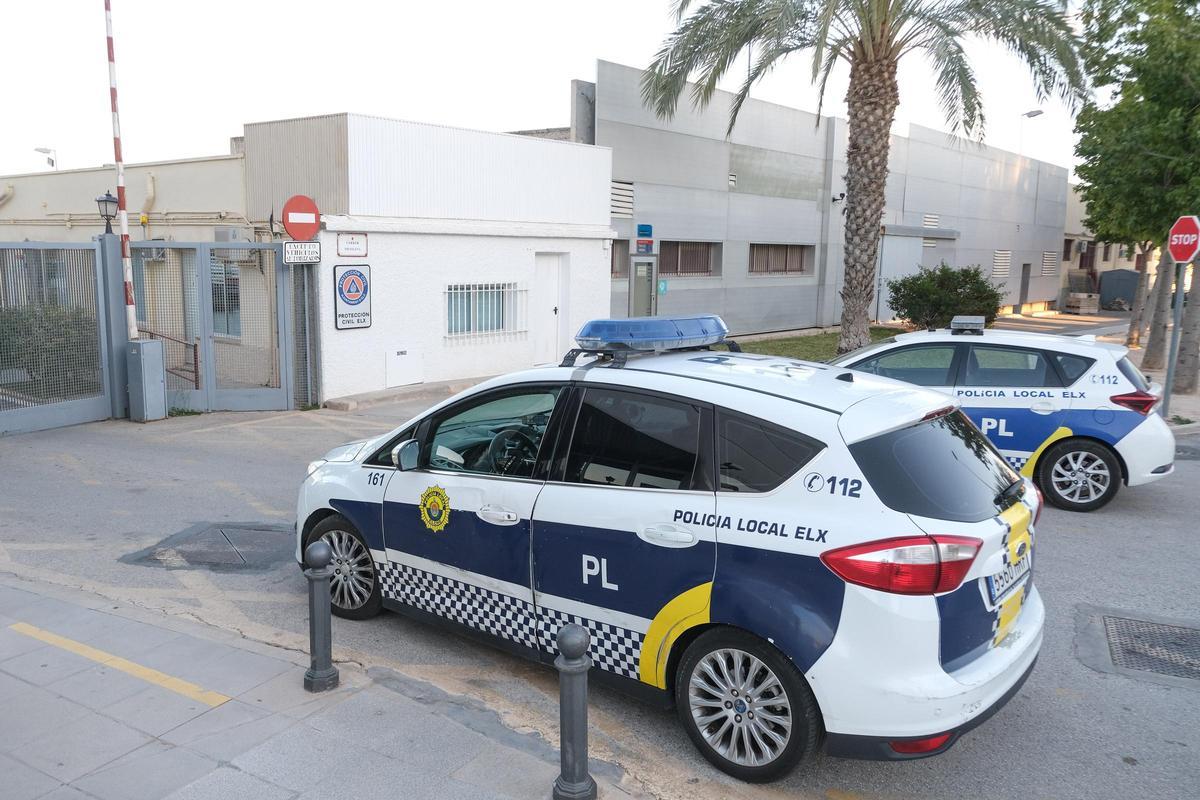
<point>409,275</point>
<point>411,169</point>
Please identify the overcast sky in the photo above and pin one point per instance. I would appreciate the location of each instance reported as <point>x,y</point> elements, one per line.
<point>190,74</point>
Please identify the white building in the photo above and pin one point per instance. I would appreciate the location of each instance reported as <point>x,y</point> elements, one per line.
<point>480,253</point>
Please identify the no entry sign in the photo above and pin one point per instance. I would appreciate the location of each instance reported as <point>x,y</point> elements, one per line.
<point>1184,240</point>
<point>300,218</point>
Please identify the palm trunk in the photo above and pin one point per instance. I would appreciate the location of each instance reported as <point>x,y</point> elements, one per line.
<point>1187,368</point>
<point>1134,337</point>
<point>1155,356</point>
<point>871,104</point>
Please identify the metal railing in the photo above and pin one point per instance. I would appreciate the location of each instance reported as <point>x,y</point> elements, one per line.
<point>178,372</point>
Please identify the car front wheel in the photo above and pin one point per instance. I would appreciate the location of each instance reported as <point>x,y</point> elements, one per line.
<point>354,586</point>
<point>1079,475</point>
<point>745,706</point>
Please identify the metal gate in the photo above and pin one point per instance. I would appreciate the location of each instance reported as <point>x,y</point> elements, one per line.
<point>53,362</point>
<point>222,313</point>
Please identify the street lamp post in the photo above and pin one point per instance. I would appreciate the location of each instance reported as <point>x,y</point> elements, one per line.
<point>1037,112</point>
<point>108,209</point>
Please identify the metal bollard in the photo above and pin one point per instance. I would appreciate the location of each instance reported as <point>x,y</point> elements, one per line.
<point>322,675</point>
<point>573,781</point>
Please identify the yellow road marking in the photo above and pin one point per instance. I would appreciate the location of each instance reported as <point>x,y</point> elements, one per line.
<point>169,682</point>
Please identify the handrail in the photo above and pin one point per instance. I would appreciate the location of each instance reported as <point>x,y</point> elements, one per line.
<point>157,335</point>
<point>195,378</point>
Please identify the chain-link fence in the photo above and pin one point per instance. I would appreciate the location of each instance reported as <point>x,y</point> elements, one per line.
<point>168,309</point>
<point>49,327</point>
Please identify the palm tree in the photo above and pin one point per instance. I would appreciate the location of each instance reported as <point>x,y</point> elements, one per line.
<point>871,36</point>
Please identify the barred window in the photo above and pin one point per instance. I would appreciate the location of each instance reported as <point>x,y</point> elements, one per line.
<point>482,308</point>
<point>620,258</point>
<point>796,259</point>
<point>688,258</point>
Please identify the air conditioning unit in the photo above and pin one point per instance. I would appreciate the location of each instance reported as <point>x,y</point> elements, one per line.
<point>1081,246</point>
<point>231,234</point>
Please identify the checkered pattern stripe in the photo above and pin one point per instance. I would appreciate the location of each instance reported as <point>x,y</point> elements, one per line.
<point>613,649</point>
<point>498,614</point>
<point>1016,462</point>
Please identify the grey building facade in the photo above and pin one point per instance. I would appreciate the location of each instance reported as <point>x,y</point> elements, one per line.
<point>749,224</point>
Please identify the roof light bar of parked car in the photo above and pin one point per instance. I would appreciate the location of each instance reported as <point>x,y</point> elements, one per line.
<point>967,324</point>
<point>647,334</point>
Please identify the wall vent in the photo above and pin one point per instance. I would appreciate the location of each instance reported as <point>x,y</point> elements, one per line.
<point>929,243</point>
<point>1049,262</point>
<point>620,203</point>
<point>930,221</point>
<point>1001,263</point>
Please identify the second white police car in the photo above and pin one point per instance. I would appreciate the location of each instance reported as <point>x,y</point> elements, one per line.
<point>797,556</point>
<point>1072,413</point>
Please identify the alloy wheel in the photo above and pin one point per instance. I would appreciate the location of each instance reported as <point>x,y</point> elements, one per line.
<point>1080,477</point>
<point>353,571</point>
<point>740,707</point>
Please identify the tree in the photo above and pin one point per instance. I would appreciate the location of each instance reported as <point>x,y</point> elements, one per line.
<point>1138,166</point>
<point>871,37</point>
<point>1156,347</point>
<point>1187,369</point>
<point>931,297</point>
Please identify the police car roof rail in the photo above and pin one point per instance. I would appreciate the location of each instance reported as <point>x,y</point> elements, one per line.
<point>618,356</point>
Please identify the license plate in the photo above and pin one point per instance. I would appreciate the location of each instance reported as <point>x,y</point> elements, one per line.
<point>1002,582</point>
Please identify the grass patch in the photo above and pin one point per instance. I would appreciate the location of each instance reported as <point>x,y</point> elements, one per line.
<point>183,412</point>
<point>817,347</point>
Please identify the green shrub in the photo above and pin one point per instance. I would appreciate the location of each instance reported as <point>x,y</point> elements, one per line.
<point>932,297</point>
<point>50,352</point>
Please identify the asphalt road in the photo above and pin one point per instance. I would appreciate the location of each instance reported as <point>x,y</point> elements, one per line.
<point>89,506</point>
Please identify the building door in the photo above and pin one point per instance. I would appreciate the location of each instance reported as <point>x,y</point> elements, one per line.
<point>550,307</point>
<point>1025,269</point>
<point>641,295</point>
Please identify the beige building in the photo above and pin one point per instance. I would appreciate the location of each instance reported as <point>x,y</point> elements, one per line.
<point>1084,259</point>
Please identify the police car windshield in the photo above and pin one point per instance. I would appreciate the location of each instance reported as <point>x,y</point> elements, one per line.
<point>855,355</point>
<point>944,468</point>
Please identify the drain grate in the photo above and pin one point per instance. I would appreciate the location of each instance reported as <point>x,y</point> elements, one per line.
<point>1172,650</point>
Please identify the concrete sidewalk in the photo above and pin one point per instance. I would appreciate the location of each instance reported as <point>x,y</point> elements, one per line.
<point>107,701</point>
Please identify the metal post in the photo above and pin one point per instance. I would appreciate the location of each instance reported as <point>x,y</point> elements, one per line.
<point>1176,331</point>
<point>573,782</point>
<point>322,675</point>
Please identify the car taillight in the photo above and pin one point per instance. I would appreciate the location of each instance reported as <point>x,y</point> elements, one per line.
<point>907,565</point>
<point>926,745</point>
<point>1141,402</point>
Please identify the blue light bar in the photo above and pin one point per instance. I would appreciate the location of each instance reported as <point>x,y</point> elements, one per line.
<point>652,333</point>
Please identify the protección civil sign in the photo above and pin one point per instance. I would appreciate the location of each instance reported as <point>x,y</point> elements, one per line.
<point>301,252</point>
<point>351,296</point>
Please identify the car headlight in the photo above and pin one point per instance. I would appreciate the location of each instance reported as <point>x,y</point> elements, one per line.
<point>313,466</point>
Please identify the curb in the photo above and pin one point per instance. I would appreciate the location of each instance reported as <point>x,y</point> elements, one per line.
<point>421,391</point>
<point>1184,430</point>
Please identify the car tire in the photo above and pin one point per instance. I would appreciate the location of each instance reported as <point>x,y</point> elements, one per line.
<point>708,700</point>
<point>1079,474</point>
<point>354,587</point>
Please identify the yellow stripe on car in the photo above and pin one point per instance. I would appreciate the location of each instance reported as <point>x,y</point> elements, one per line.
<point>1061,433</point>
<point>1017,517</point>
<point>1009,610</point>
<point>686,610</point>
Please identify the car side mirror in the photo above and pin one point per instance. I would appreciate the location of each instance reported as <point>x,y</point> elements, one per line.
<point>405,454</point>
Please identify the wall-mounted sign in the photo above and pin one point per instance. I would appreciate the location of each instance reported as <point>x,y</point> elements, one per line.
<point>352,245</point>
<point>351,296</point>
<point>301,252</point>
<point>662,286</point>
<point>645,247</point>
<point>645,231</point>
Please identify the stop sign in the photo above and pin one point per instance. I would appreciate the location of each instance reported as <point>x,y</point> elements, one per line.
<point>1184,240</point>
<point>300,218</point>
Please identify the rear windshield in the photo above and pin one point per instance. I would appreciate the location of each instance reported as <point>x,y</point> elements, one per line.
<point>944,468</point>
<point>855,355</point>
<point>1134,375</point>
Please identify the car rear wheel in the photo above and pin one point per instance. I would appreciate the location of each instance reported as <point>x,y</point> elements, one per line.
<point>354,586</point>
<point>745,706</point>
<point>1079,475</point>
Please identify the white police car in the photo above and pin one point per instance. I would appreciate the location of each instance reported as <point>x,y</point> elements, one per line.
<point>797,555</point>
<point>1070,412</point>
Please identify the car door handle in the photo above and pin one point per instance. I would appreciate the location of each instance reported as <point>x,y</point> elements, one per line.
<point>498,515</point>
<point>1043,407</point>
<point>667,535</point>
